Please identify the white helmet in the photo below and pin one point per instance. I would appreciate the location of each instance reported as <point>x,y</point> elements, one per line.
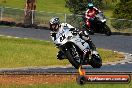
<point>55,20</point>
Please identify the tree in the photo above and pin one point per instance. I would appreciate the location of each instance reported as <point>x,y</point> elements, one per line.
<point>78,6</point>
<point>124,1</point>
<point>4,1</point>
<point>98,3</point>
<point>123,10</point>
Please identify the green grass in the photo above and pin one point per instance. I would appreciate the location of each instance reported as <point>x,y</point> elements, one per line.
<point>42,5</point>
<point>22,53</point>
<point>69,85</point>
<point>57,6</point>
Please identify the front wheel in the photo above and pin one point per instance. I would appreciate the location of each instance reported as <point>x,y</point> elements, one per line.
<point>107,30</point>
<point>73,55</point>
<point>72,61</point>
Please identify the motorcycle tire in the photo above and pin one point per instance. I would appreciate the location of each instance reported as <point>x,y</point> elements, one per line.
<point>72,59</point>
<point>96,61</point>
<point>107,30</point>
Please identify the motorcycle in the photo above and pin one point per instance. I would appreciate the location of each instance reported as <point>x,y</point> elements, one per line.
<point>98,25</point>
<point>69,42</point>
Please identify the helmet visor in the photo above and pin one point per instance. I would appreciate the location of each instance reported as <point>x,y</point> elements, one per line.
<point>55,27</point>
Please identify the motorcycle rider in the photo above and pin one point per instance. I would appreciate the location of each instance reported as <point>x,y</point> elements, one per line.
<point>56,26</point>
<point>90,14</point>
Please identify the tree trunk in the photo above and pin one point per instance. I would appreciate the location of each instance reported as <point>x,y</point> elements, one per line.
<point>30,8</point>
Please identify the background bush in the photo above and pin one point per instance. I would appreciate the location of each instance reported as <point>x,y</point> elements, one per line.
<point>123,10</point>
<point>79,6</point>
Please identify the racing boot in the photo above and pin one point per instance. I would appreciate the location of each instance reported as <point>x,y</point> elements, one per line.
<point>60,55</point>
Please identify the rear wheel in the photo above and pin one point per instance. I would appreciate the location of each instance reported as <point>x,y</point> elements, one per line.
<point>96,61</point>
<point>107,30</point>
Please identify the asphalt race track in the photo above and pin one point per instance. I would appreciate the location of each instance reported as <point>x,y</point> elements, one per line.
<point>119,43</point>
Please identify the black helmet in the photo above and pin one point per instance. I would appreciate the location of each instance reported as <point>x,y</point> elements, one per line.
<point>54,23</point>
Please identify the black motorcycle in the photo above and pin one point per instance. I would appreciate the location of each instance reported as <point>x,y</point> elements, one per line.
<point>98,25</point>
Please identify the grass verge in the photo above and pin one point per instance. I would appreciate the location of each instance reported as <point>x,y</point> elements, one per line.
<point>123,30</point>
<point>26,52</point>
<point>50,81</point>
<point>42,5</point>
<point>70,85</point>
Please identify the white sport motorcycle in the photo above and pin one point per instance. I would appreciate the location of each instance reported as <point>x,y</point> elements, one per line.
<point>69,42</point>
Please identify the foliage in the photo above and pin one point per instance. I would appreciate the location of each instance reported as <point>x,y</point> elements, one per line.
<point>78,6</point>
<point>121,24</point>
<point>109,4</point>
<point>123,10</point>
